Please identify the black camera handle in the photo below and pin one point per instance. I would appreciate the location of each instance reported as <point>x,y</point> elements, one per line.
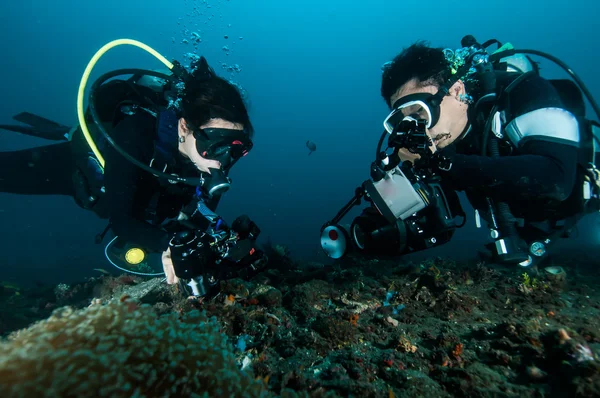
<point>359,193</point>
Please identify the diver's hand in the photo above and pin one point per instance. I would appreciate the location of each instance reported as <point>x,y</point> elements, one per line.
<point>204,164</point>
<point>168,267</point>
<point>406,155</point>
<point>433,148</point>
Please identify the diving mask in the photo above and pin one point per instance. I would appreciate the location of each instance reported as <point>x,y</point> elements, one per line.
<point>420,106</point>
<point>226,146</point>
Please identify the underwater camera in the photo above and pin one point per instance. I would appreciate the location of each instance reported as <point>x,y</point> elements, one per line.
<point>409,209</point>
<point>204,255</point>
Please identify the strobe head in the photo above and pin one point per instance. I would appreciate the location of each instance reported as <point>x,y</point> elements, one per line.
<point>369,233</point>
<point>334,241</point>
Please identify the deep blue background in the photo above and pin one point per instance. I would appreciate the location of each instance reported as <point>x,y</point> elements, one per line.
<point>312,71</point>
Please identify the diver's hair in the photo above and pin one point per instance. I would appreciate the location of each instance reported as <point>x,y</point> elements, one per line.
<point>428,65</point>
<point>207,96</point>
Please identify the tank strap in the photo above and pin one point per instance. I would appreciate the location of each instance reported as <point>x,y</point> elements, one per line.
<point>166,141</point>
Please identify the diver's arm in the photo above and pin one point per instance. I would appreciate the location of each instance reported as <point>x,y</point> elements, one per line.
<point>543,170</point>
<point>125,185</point>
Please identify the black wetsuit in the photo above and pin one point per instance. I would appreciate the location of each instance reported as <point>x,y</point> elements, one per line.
<point>136,202</point>
<point>537,180</point>
<point>139,202</point>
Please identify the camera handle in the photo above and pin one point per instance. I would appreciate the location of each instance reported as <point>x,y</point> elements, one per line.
<point>359,193</point>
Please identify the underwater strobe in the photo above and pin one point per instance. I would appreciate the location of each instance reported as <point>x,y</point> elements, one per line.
<point>409,211</point>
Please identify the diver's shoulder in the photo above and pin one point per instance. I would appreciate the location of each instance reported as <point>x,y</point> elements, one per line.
<point>532,92</point>
<point>140,126</point>
<point>526,81</point>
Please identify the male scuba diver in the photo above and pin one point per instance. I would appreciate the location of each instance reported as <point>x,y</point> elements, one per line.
<point>157,176</point>
<point>517,144</point>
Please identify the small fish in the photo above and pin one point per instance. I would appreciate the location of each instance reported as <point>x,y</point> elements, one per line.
<point>229,300</point>
<point>311,146</point>
<point>8,285</point>
<point>105,272</point>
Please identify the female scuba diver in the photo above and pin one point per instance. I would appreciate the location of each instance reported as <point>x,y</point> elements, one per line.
<point>195,124</point>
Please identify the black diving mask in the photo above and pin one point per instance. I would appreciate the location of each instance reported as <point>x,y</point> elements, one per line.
<point>420,106</point>
<point>226,146</point>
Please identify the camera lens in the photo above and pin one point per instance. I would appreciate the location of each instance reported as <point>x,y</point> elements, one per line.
<point>371,232</point>
<point>359,236</point>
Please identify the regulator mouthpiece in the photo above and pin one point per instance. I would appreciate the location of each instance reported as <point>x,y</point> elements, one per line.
<point>216,183</point>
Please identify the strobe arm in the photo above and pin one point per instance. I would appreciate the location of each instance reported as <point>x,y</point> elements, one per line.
<point>359,193</point>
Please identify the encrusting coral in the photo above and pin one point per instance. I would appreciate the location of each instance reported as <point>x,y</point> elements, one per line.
<point>121,349</point>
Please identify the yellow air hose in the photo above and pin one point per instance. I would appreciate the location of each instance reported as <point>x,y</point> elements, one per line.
<point>86,75</point>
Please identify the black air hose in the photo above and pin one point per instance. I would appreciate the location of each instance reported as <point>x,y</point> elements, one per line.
<point>506,219</point>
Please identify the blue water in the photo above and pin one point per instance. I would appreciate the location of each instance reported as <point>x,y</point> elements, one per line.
<point>311,70</point>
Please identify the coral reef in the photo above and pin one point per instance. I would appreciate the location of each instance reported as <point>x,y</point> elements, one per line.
<point>367,327</point>
<point>121,349</point>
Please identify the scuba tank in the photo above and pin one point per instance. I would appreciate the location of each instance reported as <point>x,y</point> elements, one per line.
<point>114,100</point>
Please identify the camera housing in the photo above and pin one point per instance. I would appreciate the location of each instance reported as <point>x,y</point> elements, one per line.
<point>202,256</point>
<point>409,208</point>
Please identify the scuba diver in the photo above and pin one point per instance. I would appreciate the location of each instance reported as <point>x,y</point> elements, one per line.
<point>173,140</point>
<point>517,144</point>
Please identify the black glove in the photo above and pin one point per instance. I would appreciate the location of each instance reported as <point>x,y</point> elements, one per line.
<point>441,160</point>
